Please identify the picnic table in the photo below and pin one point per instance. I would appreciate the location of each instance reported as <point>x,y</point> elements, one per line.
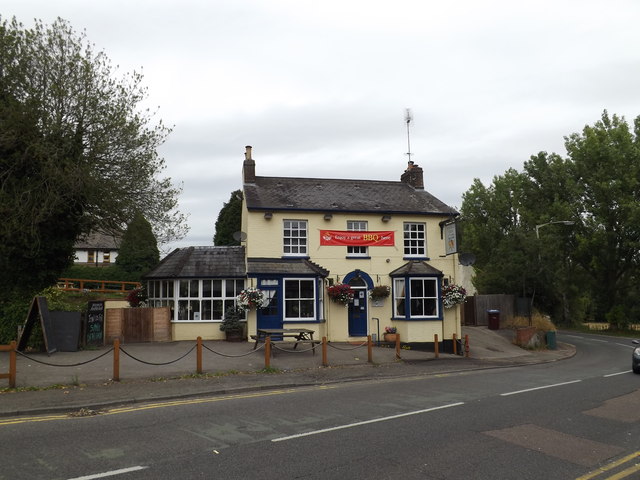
<point>301,335</point>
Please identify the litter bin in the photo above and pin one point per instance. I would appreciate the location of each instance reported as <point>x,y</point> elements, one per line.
<point>494,319</point>
<point>551,340</point>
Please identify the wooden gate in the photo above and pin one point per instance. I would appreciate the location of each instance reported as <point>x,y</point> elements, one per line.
<point>137,325</point>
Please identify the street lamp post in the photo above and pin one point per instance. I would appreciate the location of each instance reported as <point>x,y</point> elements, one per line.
<point>538,227</point>
<point>563,222</point>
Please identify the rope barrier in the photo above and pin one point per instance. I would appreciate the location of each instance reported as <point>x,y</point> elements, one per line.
<point>347,349</point>
<point>61,365</point>
<point>251,352</point>
<point>274,345</point>
<point>157,364</point>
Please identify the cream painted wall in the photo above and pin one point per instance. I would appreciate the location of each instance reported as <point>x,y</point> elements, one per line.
<point>264,239</point>
<point>193,330</point>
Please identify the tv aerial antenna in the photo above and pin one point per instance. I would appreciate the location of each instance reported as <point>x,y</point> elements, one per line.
<point>408,118</point>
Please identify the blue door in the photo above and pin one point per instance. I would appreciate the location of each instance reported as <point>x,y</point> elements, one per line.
<point>358,309</point>
<point>270,315</point>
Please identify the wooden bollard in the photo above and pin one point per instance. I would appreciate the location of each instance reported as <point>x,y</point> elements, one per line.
<point>398,346</point>
<point>267,352</point>
<point>369,349</point>
<point>436,347</point>
<point>199,355</point>
<point>11,374</point>
<point>466,345</point>
<point>455,345</point>
<point>116,360</point>
<point>325,361</point>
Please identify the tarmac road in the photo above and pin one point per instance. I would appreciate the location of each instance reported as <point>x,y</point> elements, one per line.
<point>74,385</point>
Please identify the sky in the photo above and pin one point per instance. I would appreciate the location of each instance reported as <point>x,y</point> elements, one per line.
<point>320,88</point>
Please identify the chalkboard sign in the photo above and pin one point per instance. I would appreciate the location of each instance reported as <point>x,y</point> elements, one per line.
<point>39,311</point>
<point>95,323</point>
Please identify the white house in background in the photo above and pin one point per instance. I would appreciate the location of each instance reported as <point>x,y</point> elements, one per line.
<point>96,249</point>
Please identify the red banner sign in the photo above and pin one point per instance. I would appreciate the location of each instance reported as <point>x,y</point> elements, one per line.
<point>357,239</point>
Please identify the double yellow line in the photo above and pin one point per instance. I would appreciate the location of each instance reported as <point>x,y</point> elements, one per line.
<point>613,465</point>
<point>151,406</point>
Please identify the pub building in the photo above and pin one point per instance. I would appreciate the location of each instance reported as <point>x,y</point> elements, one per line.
<point>303,241</point>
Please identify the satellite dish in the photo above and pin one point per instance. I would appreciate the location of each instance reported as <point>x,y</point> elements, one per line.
<point>466,259</point>
<point>239,236</point>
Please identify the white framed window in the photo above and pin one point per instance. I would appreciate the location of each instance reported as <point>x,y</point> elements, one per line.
<point>416,298</point>
<point>299,299</point>
<point>415,241</point>
<point>295,237</point>
<point>357,226</point>
<point>196,299</point>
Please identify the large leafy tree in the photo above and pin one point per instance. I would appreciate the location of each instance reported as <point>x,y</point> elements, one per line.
<point>229,220</point>
<point>518,226</point>
<point>76,153</point>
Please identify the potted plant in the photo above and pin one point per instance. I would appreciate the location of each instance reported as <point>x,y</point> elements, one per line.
<point>232,324</point>
<point>340,293</point>
<point>390,334</point>
<point>452,295</point>
<point>378,293</point>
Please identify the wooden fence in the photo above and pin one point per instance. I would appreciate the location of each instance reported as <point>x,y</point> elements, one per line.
<point>83,284</point>
<point>136,325</point>
<point>475,308</point>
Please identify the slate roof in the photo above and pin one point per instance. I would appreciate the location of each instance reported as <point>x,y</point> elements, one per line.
<point>284,266</point>
<point>201,262</point>
<point>415,267</point>
<point>99,240</point>
<point>336,195</point>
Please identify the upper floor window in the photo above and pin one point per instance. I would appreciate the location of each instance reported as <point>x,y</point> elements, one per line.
<point>415,243</point>
<point>357,226</point>
<point>295,237</point>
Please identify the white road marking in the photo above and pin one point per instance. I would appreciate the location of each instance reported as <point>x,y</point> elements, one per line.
<point>366,422</point>
<point>110,474</point>
<point>619,373</point>
<point>539,388</point>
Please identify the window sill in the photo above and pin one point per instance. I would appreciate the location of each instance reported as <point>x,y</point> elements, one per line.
<point>354,257</point>
<point>416,258</point>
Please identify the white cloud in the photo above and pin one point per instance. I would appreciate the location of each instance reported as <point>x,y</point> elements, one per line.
<point>320,88</point>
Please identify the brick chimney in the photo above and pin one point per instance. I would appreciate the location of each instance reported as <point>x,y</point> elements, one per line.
<point>413,176</point>
<point>248,167</point>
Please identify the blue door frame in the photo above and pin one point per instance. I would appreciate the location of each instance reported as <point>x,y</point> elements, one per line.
<point>358,309</point>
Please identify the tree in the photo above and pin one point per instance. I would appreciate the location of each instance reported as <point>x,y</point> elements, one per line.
<point>76,153</point>
<point>587,270</point>
<point>229,220</point>
<point>139,248</point>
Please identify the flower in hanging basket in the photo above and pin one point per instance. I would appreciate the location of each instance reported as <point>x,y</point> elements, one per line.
<point>453,295</point>
<point>340,293</point>
<point>250,298</point>
<point>390,330</point>
<point>379,292</point>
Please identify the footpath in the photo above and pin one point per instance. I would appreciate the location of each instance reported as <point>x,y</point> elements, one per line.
<point>68,382</point>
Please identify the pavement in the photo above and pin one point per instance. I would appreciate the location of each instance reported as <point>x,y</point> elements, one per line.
<point>82,381</point>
